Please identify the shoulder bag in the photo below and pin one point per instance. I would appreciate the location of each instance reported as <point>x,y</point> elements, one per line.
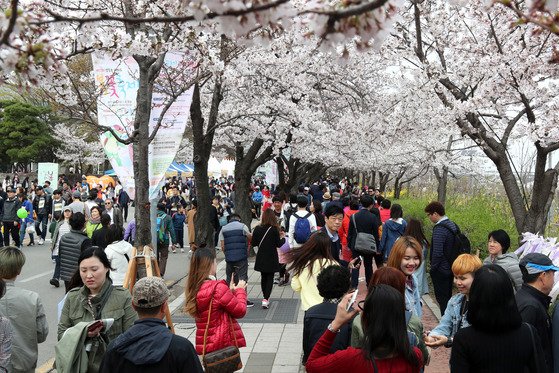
<point>365,243</point>
<point>225,360</point>
<point>256,248</point>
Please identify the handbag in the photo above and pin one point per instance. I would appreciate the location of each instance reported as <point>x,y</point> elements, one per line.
<point>222,221</point>
<point>365,243</point>
<point>262,240</point>
<point>225,360</point>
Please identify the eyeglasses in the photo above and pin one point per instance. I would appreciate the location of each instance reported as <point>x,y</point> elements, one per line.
<point>108,203</point>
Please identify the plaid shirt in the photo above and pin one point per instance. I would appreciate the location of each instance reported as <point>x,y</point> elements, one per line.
<point>5,344</point>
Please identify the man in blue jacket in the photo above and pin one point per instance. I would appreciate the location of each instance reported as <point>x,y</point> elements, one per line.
<point>441,248</point>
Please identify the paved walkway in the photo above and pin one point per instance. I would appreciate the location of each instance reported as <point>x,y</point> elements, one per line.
<point>277,347</point>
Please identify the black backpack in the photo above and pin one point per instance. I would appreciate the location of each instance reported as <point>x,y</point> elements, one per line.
<point>461,244</point>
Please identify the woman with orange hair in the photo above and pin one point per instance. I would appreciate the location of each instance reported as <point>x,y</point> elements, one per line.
<point>464,269</point>
<point>406,257</point>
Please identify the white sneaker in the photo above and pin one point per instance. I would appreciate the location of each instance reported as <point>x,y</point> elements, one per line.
<point>182,250</point>
<point>41,241</point>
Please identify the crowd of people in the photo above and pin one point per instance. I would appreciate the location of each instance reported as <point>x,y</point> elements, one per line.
<point>317,240</point>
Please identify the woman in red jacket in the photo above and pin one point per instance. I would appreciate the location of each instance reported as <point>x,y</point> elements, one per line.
<point>228,302</point>
<point>386,345</point>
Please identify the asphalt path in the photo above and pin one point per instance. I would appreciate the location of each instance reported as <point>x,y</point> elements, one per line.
<point>37,272</point>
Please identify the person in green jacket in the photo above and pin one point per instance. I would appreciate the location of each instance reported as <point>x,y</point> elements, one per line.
<point>93,270</point>
<point>165,230</point>
<point>395,278</point>
<point>94,221</point>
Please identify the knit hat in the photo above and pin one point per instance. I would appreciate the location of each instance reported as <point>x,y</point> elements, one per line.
<point>150,292</point>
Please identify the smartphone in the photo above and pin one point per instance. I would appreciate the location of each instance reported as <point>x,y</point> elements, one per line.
<point>358,261</point>
<point>236,275</point>
<point>352,300</point>
<point>95,325</point>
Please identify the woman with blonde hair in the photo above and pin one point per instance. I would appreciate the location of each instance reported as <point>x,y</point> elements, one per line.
<point>226,302</point>
<point>406,256</point>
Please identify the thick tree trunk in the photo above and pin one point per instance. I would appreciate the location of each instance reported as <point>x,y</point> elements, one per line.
<point>397,188</point>
<point>384,177</point>
<point>442,182</point>
<point>202,144</point>
<point>140,148</point>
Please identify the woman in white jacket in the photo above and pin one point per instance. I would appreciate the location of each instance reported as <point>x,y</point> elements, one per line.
<point>118,252</point>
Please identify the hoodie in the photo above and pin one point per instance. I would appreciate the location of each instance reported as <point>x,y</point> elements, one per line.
<point>391,231</point>
<point>150,347</point>
<point>116,253</point>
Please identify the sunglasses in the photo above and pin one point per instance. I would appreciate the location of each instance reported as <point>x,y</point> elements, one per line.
<point>108,203</point>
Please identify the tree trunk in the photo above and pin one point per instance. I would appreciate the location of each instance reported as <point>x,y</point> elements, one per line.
<point>442,181</point>
<point>202,145</point>
<point>140,148</point>
<point>397,188</point>
<point>384,177</point>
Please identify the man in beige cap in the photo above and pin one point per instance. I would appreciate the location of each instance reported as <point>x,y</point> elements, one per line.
<point>149,346</point>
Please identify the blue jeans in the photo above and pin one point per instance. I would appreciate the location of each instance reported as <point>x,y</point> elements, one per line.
<point>56,267</point>
<point>41,225</point>
<point>22,233</point>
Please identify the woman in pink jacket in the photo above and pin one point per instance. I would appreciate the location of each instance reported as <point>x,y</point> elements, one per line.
<point>228,302</point>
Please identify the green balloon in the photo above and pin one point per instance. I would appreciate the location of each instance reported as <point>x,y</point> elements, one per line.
<point>22,213</point>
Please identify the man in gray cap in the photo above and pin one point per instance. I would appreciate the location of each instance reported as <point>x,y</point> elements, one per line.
<point>149,346</point>
<point>533,298</point>
<point>77,205</point>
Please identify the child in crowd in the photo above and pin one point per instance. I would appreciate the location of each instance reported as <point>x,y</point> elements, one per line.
<point>179,219</point>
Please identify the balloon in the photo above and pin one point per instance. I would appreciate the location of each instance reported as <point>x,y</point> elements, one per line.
<point>22,213</point>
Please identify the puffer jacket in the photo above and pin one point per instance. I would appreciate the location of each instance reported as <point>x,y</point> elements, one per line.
<point>69,249</point>
<point>391,231</point>
<point>225,303</point>
<point>118,307</point>
<point>509,262</point>
<point>10,209</point>
<point>116,253</point>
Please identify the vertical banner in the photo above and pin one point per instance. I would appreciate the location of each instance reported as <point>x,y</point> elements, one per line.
<point>118,81</point>
<point>164,147</point>
<point>116,108</point>
<point>48,172</point>
<point>271,171</point>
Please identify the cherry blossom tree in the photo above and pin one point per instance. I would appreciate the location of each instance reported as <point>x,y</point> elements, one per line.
<point>78,146</point>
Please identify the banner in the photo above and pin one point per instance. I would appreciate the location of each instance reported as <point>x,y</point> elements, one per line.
<point>118,81</point>
<point>48,172</point>
<point>271,171</point>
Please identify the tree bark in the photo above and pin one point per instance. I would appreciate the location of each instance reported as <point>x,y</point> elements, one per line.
<point>202,146</point>
<point>384,177</point>
<point>442,182</point>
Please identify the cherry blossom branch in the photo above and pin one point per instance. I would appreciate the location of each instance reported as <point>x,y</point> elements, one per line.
<point>11,24</point>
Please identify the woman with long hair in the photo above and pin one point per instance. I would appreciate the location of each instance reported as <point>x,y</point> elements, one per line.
<point>316,209</point>
<point>497,340</point>
<point>62,227</point>
<point>406,257</point>
<point>415,230</point>
<point>308,261</point>
<point>228,302</point>
<point>386,346</point>
<point>395,278</point>
<point>268,237</point>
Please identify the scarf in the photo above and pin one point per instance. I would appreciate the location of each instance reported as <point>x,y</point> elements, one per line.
<point>95,221</point>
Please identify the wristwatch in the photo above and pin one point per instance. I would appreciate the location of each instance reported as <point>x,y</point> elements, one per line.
<point>332,329</point>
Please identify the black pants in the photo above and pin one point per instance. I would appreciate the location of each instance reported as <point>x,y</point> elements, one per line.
<point>179,234</point>
<point>124,210</point>
<point>267,283</point>
<point>283,270</point>
<point>9,226</point>
<point>442,284</point>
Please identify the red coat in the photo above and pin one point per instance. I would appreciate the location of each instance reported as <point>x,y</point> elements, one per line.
<point>346,253</point>
<point>225,303</point>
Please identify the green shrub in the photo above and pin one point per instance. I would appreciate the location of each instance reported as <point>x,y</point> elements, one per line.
<point>476,214</point>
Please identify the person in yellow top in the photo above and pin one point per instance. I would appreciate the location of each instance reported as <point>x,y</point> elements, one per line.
<point>308,261</point>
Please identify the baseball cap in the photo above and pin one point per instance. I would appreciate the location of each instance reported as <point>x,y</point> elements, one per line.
<point>150,292</point>
<point>66,208</point>
<point>307,188</point>
<point>537,263</point>
<point>76,194</point>
<point>10,190</point>
<point>257,187</point>
<point>336,195</point>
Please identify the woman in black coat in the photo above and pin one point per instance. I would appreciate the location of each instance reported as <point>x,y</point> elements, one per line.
<point>268,238</point>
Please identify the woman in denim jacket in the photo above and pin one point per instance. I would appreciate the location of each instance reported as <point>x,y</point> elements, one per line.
<point>406,256</point>
<point>464,268</point>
